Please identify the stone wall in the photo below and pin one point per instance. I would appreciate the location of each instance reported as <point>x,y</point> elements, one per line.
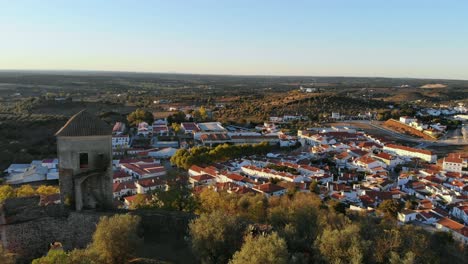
<point>28,228</point>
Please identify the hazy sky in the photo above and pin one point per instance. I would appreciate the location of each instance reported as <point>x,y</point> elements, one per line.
<point>408,38</point>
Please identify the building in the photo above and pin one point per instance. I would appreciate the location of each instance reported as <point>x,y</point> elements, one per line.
<point>408,120</point>
<point>143,169</point>
<point>458,231</point>
<point>390,160</point>
<point>118,129</point>
<point>270,189</point>
<point>423,154</point>
<point>335,115</point>
<point>146,185</point>
<point>121,189</point>
<point>189,128</point>
<point>406,216</point>
<point>120,141</point>
<point>121,176</point>
<point>84,147</point>
<point>211,127</point>
<point>200,180</point>
<point>461,212</point>
<point>144,129</point>
<point>213,139</point>
<point>453,164</point>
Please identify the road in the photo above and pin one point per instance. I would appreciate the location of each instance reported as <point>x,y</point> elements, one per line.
<point>422,143</point>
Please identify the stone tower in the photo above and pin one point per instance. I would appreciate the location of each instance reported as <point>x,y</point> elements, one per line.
<point>84,148</point>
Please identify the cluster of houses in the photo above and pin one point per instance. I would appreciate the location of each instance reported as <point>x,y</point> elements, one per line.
<point>357,169</point>
<point>164,140</point>
<point>443,110</point>
<point>136,176</point>
<point>36,171</point>
<point>432,129</point>
<point>339,163</point>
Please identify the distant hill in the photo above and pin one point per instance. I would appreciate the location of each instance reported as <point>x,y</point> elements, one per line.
<point>407,97</point>
<point>434,85</point>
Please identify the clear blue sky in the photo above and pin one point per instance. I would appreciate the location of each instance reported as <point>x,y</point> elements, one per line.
<point>409,38</point>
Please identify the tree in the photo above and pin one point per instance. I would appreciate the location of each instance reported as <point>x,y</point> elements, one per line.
<point>390,208</point>
<point>200,114</point>
<point>25,191</point>
<point>296,220</point>
<point>176,127</point>
<point>342,245</point>
<point>140,201</point>
<point>178,195</point>
<point>215,237</point>
<point>313,187</point>
<point>6,191</point>
<point>115,239</point>
<point>203,114</point>
<point>177,117</point>
<point>262,250</point>
<point>409,258</point>
<point>47,190</point>
<point>252,207</point>
<point>140,115</point>
<point>5,256</point>
<point>52,257</point>
<point>83,256</point>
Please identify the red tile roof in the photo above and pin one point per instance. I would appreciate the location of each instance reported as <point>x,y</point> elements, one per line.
<point>268,188</point>
<point>384,156</point>
<point>117,187</point>
<point>144,168</point>
<point>214,137</point>
<point>150,182</point>
<point>453,160</point>
<point>235,177</point>
<point>202,177</point>
<point>366,160</point>
<point>120,174</point>
<point>196,168</point>
<point>449,223</point>
<point>190,126</point>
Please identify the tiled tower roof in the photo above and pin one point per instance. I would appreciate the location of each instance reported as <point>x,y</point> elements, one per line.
<point>84,124</point>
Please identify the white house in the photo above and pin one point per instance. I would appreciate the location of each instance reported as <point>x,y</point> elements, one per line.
<point>50,163</point>
<point>200,180</point>
<point>118,129</point>
<point>121,176</point>
<point>458,231</point>
<point>406,216</point>
<point>270,189</point>
<point>335,115</point>
<point>120,141</point>
<point>461,212</point>
<point>408,120</point>
<point>453,164</point>
<point>164,153</point>
<point>144,129</point>
<point>423,154</point>
<point>149,184</point>
<point>143,169</point>
<point>17,168</point>
<point>121,189</point>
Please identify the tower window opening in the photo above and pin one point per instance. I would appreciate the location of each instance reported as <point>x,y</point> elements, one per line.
<point>84,162</point>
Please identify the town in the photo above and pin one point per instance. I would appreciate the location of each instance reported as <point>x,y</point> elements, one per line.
<point>234,132</point>
<point>342,163</point>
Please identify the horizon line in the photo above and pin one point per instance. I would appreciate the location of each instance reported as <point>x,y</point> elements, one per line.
<point>225,74</point>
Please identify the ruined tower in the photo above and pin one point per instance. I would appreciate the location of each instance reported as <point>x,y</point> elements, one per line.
<point>84,148</point>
